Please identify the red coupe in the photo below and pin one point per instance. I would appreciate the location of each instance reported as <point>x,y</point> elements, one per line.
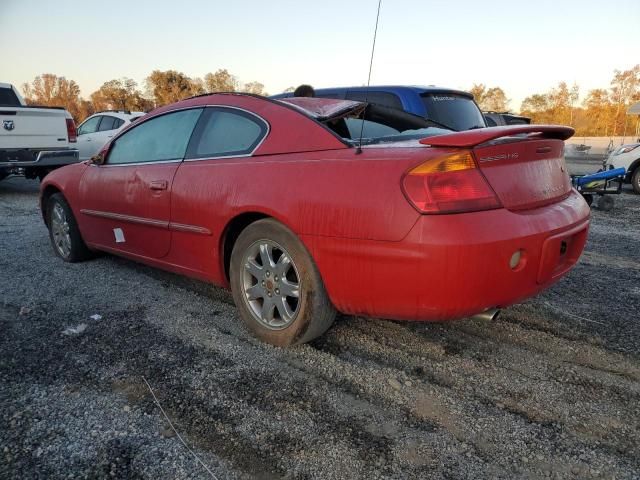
<point>308,206</point>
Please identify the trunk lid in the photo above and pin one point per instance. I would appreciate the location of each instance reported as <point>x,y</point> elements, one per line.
<point>33,128</point>
<point>526,173</point>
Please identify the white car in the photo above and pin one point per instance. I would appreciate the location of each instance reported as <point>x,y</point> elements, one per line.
<point>100,127</point>
<point>627,157</point>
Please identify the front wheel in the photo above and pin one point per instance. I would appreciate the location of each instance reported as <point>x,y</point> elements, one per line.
<point>277,287</point>
<point>64,234</point>
<point>635,180</point>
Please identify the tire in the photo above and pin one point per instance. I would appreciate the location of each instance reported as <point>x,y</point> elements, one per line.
<point>635,180</point>
<point>605,203</point>
<point>64,234</point>
<point>292,320</point>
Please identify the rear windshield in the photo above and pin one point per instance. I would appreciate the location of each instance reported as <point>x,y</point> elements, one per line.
<point>380,124</point>
<point>8,98</point>
<point>456,111</point>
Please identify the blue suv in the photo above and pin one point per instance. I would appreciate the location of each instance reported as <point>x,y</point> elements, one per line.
<point>452,108</point>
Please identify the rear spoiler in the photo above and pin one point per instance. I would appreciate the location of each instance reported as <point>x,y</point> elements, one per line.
<point>471,138</point>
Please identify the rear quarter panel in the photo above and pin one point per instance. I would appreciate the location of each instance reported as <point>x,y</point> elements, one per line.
<point>331,194</point>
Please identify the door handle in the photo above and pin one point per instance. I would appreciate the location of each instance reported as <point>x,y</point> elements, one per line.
<point>158,185</point>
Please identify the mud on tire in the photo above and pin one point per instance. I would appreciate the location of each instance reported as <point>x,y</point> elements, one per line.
<point>277,287</point>
<point>64,234</point>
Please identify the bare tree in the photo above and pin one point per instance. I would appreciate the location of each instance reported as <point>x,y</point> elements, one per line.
<point>53,91</point>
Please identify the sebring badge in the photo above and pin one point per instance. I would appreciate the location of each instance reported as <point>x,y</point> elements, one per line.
<point>8,125</point>
<point>502,156</point>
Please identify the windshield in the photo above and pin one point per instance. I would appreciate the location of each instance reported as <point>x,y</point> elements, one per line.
<point>453,110</point>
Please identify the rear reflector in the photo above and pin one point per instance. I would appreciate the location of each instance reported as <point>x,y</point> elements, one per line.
<point>449,184</point>
<point>72,134</point>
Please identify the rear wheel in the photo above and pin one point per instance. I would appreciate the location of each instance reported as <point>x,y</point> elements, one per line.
<point>277,287</point>
<point>635,180</point>
<point>63,231</point>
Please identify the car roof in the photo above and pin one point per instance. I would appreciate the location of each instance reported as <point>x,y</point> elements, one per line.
<point>397,89</point>
<point>402,88</point>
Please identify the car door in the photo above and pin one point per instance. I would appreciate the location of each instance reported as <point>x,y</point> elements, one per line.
<point>125,202</point>
<point>85,143</point>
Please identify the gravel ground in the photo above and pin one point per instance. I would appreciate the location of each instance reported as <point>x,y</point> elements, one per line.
<point>550,390</point>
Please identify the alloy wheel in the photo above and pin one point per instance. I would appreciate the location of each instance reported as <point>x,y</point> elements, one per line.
<point>60,230</point>
<point>271,284</point>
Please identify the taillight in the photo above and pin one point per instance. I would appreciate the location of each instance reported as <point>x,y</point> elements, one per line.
<point>72,134</point>
<point>451,183</point>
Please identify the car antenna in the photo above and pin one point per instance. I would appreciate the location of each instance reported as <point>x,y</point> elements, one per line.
<point>366,92</point>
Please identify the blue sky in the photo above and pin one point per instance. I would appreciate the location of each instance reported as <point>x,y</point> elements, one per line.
<point>523,46</point>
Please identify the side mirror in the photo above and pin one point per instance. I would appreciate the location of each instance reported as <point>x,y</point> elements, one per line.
<point>97,159</point>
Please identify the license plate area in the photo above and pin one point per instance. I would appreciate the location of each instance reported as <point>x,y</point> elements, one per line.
<point>560,252</point>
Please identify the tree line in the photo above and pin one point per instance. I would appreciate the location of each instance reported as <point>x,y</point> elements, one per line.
<point>160,88</point>
<point>602,112</point>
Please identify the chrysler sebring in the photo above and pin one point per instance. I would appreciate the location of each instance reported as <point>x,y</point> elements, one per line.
<point>309,206</point>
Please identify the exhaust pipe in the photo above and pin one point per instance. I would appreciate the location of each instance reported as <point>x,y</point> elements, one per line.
<point>487,315</point>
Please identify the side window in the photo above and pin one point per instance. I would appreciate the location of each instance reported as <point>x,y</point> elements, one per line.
<point>90,126</point>
<point>159,139</point>
<point>117,123</point>
<point>107,123</point>
<point>225,132</point>
<point>380,98</point>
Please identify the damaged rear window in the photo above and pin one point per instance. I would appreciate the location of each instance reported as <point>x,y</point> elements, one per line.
<point>380,124</point>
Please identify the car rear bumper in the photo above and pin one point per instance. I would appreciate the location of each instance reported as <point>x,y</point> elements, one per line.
<point>14,159</point>
<point>453,266</point>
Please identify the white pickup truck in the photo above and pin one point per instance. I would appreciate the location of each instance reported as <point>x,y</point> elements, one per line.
<point>33,140</point>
